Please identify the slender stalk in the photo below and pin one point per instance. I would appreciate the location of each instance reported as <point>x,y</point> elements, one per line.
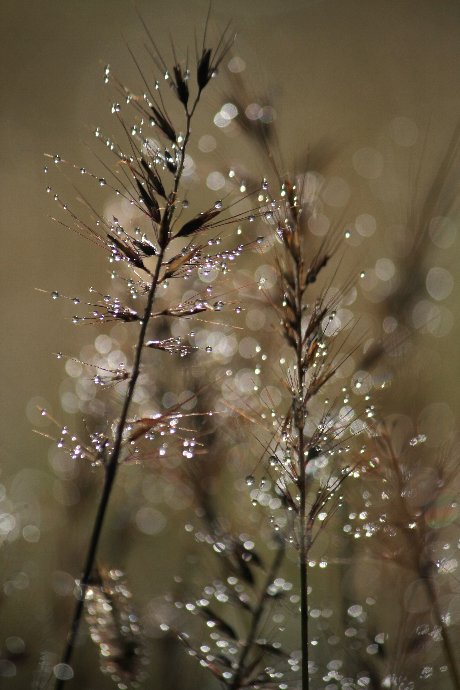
<point>451,655</point>
<point>110,474</point>
<point>303,573</point>
<point>113,462</point>
<point>295,285</point>
<point>258,612</point>
<point>415,548</point>
<point>303,545</point>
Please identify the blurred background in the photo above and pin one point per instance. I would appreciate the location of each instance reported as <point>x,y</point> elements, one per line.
<point>373,82</point>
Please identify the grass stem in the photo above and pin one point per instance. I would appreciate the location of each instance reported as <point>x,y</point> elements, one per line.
<point>110,474</point>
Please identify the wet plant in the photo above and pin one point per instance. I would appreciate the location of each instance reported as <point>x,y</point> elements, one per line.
<point>300,417</point>
<point>304,456</point>
<point>411,495</point>
<point>167,246</point>
<point>313,435</point>
<point>239,607</point>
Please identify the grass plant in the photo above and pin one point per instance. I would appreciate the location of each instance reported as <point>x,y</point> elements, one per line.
<point>291,429</point>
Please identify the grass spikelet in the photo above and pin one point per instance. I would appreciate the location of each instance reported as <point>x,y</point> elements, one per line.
<point>115,628</point>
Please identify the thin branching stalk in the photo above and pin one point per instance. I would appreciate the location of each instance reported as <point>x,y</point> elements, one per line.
<point>305,335</point>
<point>206,65</point>
<point>449,651</point>
<point>415,544</point>
<point>257,614</point>
<point>110,474</point>
<point>299,420</point>
<point>305,341</point>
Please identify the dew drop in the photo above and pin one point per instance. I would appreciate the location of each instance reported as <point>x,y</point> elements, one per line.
<point>250,480</point>
<point>63,671</point>
<point>55,294</point>
<point>417,440</point>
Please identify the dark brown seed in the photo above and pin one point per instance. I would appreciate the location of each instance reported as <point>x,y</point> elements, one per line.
<point>224,627</point>
<point>127,251</point>
<point>146,248</point>
<point>181,85</point>
<point>153,179</point>
<point>150,202</point>
<point>203,69</point>
<point>170,163</point>
<point>177,262</point>
<point>197,223</point>
<point>163,124</point>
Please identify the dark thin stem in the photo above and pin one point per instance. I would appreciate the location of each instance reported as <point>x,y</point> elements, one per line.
<point>302,465</point>
<point>257,614</point>
<point>451,655</point>
<point>113,462</point>
<point>415,547</point>
<point>303,572</point>
<point>110,474</point>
